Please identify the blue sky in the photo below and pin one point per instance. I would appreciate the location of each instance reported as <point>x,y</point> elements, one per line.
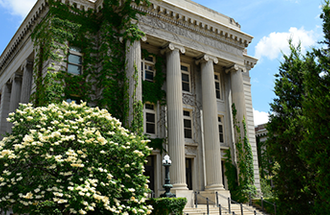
<point>271,22</point>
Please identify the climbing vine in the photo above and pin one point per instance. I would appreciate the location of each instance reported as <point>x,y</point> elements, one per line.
<point>152,91</point>
<point>103,81</point>
<point>240,178</point>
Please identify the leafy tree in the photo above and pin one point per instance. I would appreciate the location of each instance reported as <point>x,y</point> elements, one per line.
<point>69,159</point>
<point>299,129</point>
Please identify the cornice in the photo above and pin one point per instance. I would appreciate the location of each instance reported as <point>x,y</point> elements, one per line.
<point>249,61</point>
<point>194,22</point>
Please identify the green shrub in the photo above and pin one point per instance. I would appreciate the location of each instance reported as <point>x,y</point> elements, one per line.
<point>69,159</point>
<point>165,206</point>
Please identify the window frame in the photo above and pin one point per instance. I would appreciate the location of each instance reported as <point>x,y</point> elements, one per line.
<point>189,76</point>
<point>152,63</point>
<point>191,124</point>
<point>221,123</point>
<point>215,85</point>
<point>75,53</point>
<point>149,111</point>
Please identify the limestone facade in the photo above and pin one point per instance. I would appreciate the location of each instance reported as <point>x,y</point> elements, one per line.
<point>207,69</point>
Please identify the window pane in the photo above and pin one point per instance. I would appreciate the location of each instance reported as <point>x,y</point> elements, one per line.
<point>150,128</point>
<point>221,138</point>
<point>73,69</point>
<point>76,49</point>
<point>149,106</point>
<point>184,68</point>
<point>186,113</point>
<point>150,117</point>
<point>218,94</point>
<point>149,58</point>
<point>219,119</point>
<point>216,77</point>
<point>185,87</point>
<point>149,76</point>
<point>187,123</point>
<point>187,133</point>
<point>185,77</point>
<point>220,129</point>
<point>75,59</point>
<point>217,85</point>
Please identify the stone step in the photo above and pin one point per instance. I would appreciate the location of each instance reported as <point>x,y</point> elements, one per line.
<point>213,210</point>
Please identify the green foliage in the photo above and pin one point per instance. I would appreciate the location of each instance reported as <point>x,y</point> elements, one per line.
<point>152,91</point>
<point>266,188</point>
<point>166,206</point>
<point>103,81</point>
<point>299,131</point>
<point>157,143</point>
<point>74,159</point>
<point>241,184</point>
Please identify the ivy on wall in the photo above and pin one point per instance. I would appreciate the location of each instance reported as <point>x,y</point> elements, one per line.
<point>240,178</point>
<point>103,81</point>
<point>152,91</point>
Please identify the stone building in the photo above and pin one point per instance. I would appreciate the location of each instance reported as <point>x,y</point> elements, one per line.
<point>206,66</point>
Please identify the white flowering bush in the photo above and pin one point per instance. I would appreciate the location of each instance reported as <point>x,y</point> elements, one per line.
<point>71,159</point>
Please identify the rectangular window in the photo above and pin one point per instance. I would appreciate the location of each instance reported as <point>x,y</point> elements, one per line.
<point>185,78</point>
<point>75,61</point>
<point>150,118</point>
<point>148,68</point>
<point>220,126</point>
<point>217,86</point>
<point>187,124</point>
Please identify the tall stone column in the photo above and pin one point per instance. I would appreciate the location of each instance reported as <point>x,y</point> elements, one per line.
<point>210,121</point>
<point>5,101</point>
<point>175,116</point>
<point>27,69</point>
<point>237,90</point>
<point>133,75</point>
<point>15,92</point>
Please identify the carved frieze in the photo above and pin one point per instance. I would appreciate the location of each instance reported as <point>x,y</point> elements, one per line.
<point>195,35</point>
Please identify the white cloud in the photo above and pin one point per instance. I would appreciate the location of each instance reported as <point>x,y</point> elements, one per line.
<point>260,117</point>
<point>18,7</point>
<point>271,46</point>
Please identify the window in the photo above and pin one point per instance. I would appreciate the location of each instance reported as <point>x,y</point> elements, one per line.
<point>148,68</point>
<point>220,126</point>
<point>75,61</point>
<point>185,78</point>
<point>189,173</point>
<point>217,86</point>
<point>187,124</point>
<point>150,118</point>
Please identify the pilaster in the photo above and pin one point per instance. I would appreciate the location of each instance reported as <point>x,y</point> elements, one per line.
<point>175,116</point>
<point>27,69</point>
<point>210,122</point>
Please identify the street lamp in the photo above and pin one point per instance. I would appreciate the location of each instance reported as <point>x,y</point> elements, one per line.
<point>167,163</point>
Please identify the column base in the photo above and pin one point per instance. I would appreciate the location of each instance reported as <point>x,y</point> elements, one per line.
<point>178,186</point>
<point>214,187</point>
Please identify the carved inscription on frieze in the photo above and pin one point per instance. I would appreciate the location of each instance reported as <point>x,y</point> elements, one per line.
<point>156,23</point>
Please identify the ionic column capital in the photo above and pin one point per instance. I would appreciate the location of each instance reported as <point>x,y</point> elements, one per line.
<point>234,68</point>
<point>172,47</point>
<point>206,58</point>
<point>26,63</point>
<point>16,77</point>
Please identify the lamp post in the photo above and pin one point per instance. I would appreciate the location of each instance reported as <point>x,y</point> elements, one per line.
<point>167,163</point>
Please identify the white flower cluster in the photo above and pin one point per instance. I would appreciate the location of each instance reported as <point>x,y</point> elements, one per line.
<point>74,156</point>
